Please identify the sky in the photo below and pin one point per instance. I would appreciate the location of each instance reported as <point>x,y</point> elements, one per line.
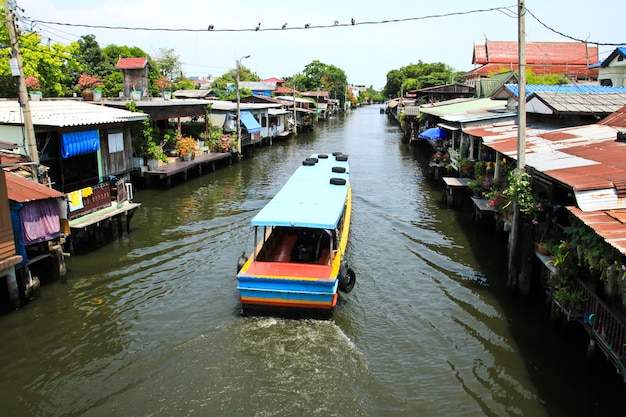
<point>398,34</point>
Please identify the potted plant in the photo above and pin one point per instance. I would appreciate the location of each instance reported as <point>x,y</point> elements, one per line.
<point>185,147</point>
<point>33,86</point>
<point>87,83</point>
<point>164,84</point>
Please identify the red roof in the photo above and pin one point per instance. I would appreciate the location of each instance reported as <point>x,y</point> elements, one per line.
<point>617,119</point>
<point>22,189</point>
<point>546,53</point>
<point>581,71</point>
<point>570,58</point>
<point>273,80</point>
<point>281,89</point>
<point>132,63</point>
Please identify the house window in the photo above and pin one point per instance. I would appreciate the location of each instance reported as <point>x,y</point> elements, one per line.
<point>116,142</point>
<point>606,82</point>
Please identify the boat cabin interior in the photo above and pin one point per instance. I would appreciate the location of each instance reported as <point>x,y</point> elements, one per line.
<point>298,244</point>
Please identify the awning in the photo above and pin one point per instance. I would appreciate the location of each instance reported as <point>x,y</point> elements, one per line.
<point>217,119</point>
<point>250,122</point>
<point>79,143</point>
<point>434,133</point>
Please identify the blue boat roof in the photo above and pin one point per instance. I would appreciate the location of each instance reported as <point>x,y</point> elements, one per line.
<point>308,199</point>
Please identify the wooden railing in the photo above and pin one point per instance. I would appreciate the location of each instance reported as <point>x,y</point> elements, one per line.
<point>99,199</point>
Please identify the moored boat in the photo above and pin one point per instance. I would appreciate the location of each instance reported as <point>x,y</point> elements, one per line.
<point>298,265</point>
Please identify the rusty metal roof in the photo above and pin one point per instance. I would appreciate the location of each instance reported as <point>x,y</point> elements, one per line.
<point>585,158</point>
<point>63,113</point>
<point>617,119</point>
<point>23,190</point>
<point>607,224</point>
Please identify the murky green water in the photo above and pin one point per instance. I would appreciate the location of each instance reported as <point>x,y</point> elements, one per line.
<point>150,325</point>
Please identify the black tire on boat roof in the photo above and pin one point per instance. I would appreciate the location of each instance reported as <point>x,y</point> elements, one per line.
<point>314,160</point>
<point>307,163</point>
<point>338,181</point>
<point>340,170</point>
<point>337,153</point>
<point>341,157</point>
<point>322,156</point>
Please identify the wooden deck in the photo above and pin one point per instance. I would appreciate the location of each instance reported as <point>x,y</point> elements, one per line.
<point>99,216</point>
<point>199,163</point>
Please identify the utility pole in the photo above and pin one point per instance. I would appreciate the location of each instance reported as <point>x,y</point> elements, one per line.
<point>18,71</point>
<point>237,70</point>
<point>295,119</point>
<point>514,270</point>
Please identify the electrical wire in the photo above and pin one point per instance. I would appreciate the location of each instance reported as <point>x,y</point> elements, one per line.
<point>336,24</point>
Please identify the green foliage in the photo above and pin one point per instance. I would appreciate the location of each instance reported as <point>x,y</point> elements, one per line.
<point>520,191</point>
<point>418,76</point>
<point>320,76</point>
<point>144,138</point>
<point>168,63</point>
<point>568,297</point>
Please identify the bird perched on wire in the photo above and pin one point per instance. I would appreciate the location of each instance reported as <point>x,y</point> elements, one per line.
<point>353,22</point>
<point>307,25</point>
<point>284,26</point>
<point>258,26</point>
<point>336,22</point>
<point>211,27</point>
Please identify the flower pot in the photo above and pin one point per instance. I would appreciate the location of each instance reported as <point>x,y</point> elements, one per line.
<point>97,95</point>
<point>135,95</point>
<point>153,164</point>
<point>542,248</point>
<point>87,95</point>
<point>35,95</point>
<point>167,95</point>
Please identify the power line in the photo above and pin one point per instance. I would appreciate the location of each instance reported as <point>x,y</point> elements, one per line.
<point>571,37</point>
<point>509,11</point>
<point>336,24</point>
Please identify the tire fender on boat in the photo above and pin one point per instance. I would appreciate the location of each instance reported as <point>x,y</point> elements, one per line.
<point>347,279</point>
<point>241,262</point>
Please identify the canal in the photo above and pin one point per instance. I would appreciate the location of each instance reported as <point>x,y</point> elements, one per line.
<point>149,325</point>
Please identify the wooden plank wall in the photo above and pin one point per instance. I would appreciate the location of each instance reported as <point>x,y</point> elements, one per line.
<point>7,241</point>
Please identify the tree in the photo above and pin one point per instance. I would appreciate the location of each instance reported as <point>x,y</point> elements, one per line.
<point>168,63</point>
<point>91,58</point>
<point>418,76</point>
<point>323,77</point>
<point>394,83</point>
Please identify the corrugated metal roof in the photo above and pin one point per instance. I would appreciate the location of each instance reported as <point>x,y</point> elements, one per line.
<point>606,224</point>
<point>66,113</point>
<point>22,189</point>
<point>578,71</point>
<point>564,53</point>
<point>560,102</point>
<point>585,158</point>
<point>512,90</point>
<point>8,145</point>
<point>617,119</point>
<point>257,85</point>
<point>459,108</point>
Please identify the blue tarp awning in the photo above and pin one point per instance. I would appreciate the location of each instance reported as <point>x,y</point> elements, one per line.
<point>250,122</point>
<point>434,133</point>
<point>79,143</point>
